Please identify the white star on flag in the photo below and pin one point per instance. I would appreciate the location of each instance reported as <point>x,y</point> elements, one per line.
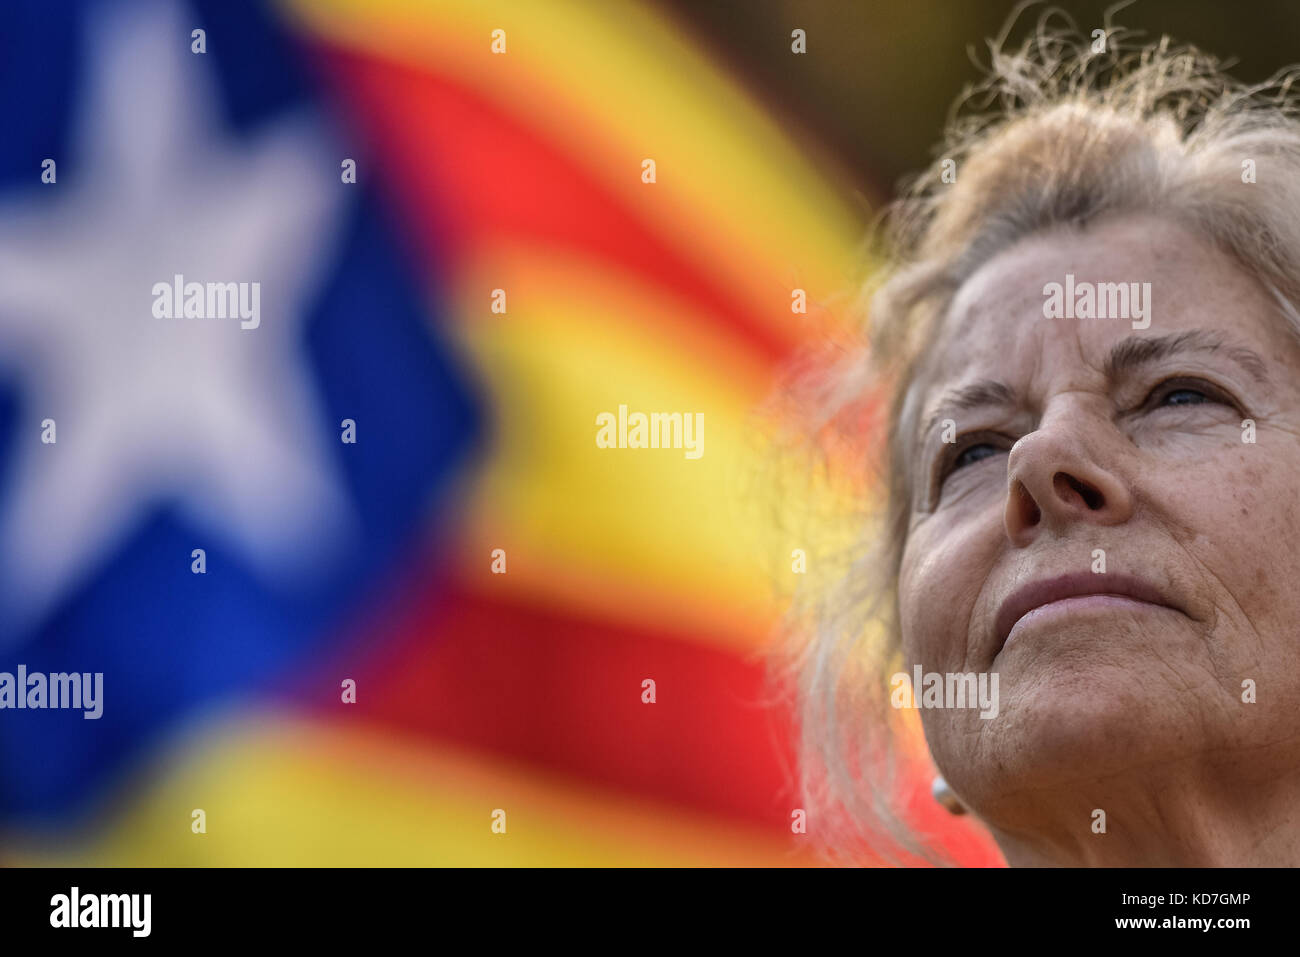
<point>221,421</point>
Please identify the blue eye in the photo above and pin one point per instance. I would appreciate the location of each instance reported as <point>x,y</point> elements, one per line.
<point>1187,390</point>
<point>973,454</point>
<point>975,447</point>
<point>1185,397</point>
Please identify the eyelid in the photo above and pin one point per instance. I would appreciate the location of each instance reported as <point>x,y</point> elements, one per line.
<point>1196,383</point>
<point>941,467</point>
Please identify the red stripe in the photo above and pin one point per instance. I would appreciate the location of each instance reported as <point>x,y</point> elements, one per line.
<point>565,691</point>
<point>462,171</point>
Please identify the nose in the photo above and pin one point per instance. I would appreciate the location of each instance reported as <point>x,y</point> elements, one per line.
<point>1054,481</point>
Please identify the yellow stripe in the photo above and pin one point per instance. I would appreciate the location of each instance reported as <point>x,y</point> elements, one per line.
<point>615,530</point>
<point>614,84</point>
<point>283,792</point>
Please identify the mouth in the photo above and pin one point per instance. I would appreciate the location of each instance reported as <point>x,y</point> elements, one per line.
<point>1077,591</point>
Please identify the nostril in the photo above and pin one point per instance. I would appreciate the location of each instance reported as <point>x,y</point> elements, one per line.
<point>1091,497</point>
<point>1029,508</point>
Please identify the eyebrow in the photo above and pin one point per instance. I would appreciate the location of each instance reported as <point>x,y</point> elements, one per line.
<point>1137,351</point>
<point>984,392</point>
<point>1125,357</point>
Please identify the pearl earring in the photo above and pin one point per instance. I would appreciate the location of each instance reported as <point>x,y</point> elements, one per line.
<point>946,796</point>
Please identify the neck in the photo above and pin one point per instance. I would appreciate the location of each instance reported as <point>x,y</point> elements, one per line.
<point>1164,817</point>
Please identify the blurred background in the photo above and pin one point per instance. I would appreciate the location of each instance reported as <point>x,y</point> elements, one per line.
<point>493,586</point>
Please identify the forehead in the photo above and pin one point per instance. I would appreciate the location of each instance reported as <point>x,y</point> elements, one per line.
<point>996,327</point>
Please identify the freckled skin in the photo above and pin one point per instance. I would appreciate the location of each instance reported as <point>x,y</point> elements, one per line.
<point>1133,710</point>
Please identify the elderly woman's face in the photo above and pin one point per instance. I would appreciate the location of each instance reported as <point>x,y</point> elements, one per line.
<point>1107,533</point>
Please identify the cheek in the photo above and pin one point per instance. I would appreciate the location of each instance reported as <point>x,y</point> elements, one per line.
<point>940,578</point>
<point>917,579</point>
<point>1243,518</point>
<point>1254,524</point>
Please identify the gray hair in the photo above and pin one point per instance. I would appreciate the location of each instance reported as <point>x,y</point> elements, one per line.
<point>1056,135</point>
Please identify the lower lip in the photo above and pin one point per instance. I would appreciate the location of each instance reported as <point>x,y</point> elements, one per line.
<point>1065,609</point>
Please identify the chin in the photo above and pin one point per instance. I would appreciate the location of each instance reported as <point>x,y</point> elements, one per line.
<point>1062,727</point>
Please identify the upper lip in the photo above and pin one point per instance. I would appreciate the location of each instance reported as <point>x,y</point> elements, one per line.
<point>1046,590</point>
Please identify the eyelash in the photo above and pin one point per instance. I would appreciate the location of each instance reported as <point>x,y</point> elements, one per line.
<point>964,444</point>
<point>1154,400</point>
<point>1168,387</point>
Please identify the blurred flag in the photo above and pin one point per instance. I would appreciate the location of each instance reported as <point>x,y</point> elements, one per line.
<point>362,586</point>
